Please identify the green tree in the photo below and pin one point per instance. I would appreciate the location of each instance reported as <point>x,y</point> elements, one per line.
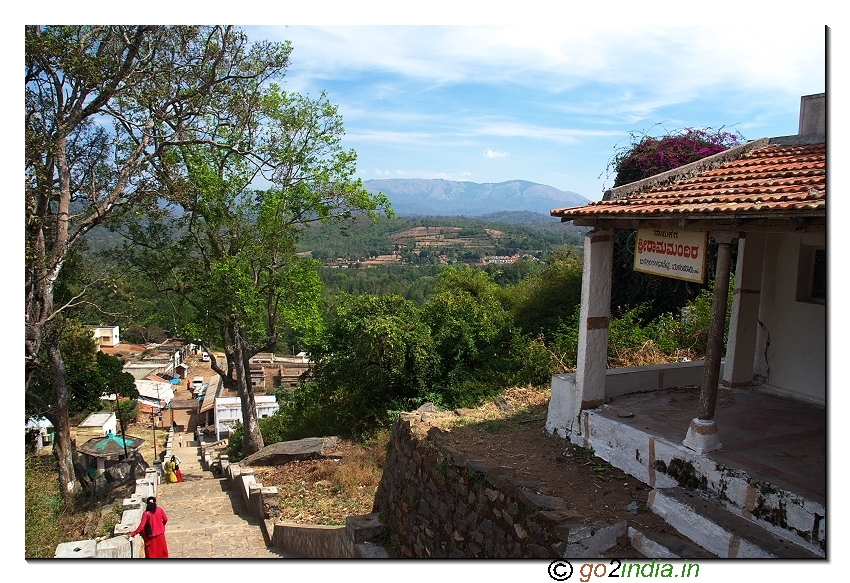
<point>471,328</point>
<point>90,374</point>
<point>232,257</point>
<point>102,105</point>
<point>544,300</point>
<point>376,357</point>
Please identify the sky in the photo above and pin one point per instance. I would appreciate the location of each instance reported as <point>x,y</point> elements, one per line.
<point>545,102</point>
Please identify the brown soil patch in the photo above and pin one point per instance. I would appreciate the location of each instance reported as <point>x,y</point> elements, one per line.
<point>311,493</point>
<point>518,440</point>
<point>326,491</point>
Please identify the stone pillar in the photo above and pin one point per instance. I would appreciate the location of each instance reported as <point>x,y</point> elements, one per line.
<point>702,433</point>
<point>594,317</point>
<point>743,326</point>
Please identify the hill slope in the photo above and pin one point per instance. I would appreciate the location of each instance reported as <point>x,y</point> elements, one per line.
<point>437,197</point>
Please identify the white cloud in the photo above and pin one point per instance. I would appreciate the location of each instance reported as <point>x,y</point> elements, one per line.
<point>490,153</point>
<point>675,60</point>
<point>464,132</point>
<point>553,134</point>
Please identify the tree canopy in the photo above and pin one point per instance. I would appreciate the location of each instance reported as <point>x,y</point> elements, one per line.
<point>227,247</point>
<point>90,375</point>
<point>103,105</point>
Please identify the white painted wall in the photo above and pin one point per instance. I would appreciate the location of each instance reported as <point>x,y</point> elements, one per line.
<point>107,335</point>
<point>228,410</point>
<point>99,424</point>
<point>796,356</point>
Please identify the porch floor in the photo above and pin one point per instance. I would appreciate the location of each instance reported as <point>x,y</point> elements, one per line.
<point>773,438</point>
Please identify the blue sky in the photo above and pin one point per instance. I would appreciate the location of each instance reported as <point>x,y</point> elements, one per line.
<point>545,103</point>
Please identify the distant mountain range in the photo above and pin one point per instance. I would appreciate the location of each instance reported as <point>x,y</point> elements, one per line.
<point>437,197</point>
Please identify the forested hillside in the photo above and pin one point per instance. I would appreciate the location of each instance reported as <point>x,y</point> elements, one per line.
<point>459,239</point>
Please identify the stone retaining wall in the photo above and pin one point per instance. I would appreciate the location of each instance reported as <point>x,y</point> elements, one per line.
<point>438,504</point>
<point>354,540</point>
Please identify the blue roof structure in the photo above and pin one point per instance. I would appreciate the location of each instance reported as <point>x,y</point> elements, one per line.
<point>111,445</point>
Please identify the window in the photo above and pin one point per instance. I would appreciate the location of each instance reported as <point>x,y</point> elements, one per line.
<point>811,275</point>
<point>819,275</point>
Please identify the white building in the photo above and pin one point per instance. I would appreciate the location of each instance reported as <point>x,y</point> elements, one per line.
<point>228,411</point>
<point>767,200</point>
<point>43,430</point>
<point>106,335</point>
<point>98,424</point>
<point>155,393</point>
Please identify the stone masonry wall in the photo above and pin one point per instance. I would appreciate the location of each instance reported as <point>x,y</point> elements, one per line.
<point>353,541</point>
<point>437,504</point>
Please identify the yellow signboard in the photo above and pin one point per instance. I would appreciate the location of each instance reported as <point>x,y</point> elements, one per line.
<point>672,253</point>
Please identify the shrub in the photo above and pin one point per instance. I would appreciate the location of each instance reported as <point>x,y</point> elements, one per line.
<point>646,155</point>
<point>667,338</point>
<point>235,450</point>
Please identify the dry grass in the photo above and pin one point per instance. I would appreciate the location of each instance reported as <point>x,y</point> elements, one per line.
<point>648,354</point>
<point>343,484</point>
<point>146,432</point>
<point>326,491</point>
<point>524,401</point>
<point>51,520</point>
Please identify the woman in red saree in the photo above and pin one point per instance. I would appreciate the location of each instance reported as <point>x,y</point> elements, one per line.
<point>152,529</point>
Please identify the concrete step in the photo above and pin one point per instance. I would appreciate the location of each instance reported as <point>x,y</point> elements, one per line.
<point>726,535</point>
<point>207,520</point>
<point>666,546</point>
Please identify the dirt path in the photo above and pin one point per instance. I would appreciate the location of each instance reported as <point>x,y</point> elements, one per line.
<point>592,488</point>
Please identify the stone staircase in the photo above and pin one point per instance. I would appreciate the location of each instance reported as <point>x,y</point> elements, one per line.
<point>206,519</point>
<point>713,505</point>
<point>716,529</point>
<point>705,528</point>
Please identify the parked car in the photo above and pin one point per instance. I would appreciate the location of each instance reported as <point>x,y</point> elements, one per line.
<point>205,357</point>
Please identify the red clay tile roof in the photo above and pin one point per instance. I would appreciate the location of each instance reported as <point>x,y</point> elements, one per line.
<point>784,180</point>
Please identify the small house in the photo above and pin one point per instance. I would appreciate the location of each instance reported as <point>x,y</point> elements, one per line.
<point>228,411</point>
<point>749,422</point>
<point>96,425</point>
<point>106,336</point>
<point>154,396</point>
<point>181,370</point>
<point>39,432</point>
<point>155,393</point>
<point>258,376</point>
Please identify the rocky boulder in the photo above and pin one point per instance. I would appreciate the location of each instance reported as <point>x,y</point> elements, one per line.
<point>118,476</point>
<point>289,451</point>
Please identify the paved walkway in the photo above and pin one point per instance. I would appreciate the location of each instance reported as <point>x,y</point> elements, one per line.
<point>205,519</point>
